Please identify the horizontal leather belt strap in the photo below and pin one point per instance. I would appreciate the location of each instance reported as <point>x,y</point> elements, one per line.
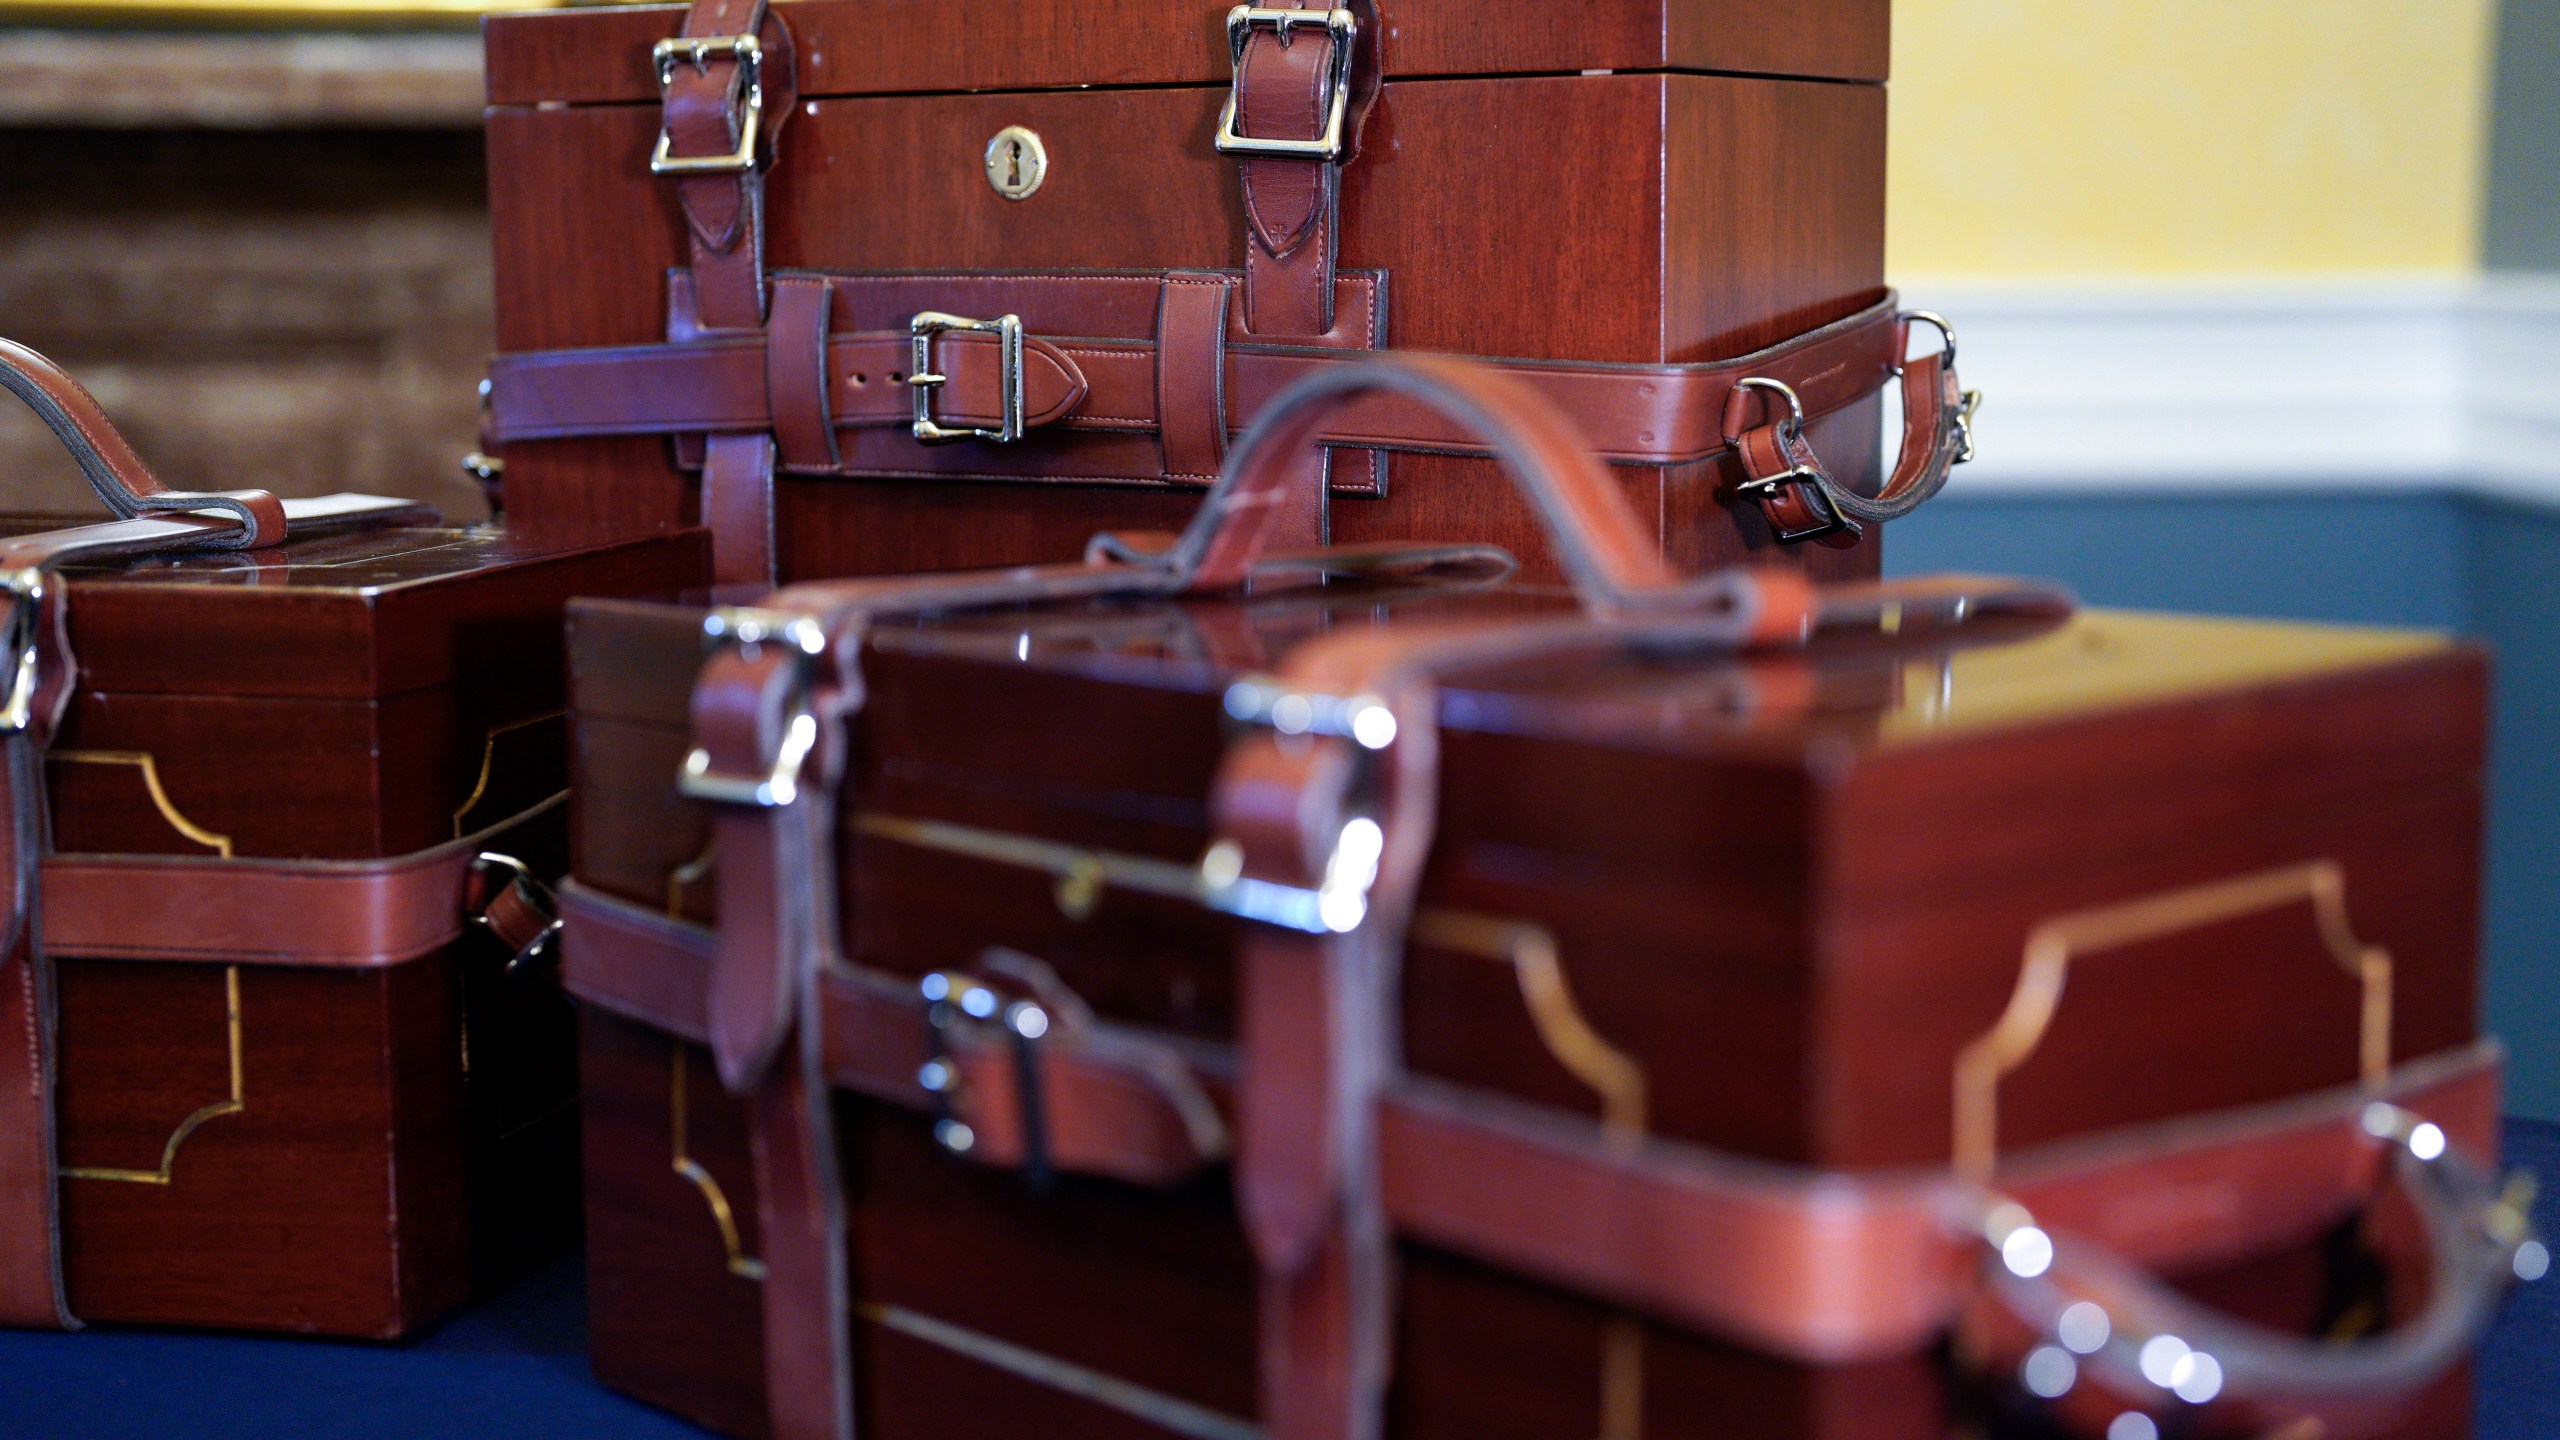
<point>1112,1102</point>
<point>1824,1266</point>
<point>1634,414</point>
<point>635,962</point>
<point>1833,1267</point>
<point>324,914</point>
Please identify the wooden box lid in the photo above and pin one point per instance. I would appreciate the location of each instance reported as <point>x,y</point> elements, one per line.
<point>353,616</point>
<point>876,47</point>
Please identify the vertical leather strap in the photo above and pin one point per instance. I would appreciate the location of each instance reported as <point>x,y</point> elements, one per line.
<point>702,114</point>
<point>795,372</point>
<point>702,110</point>
<point>1191,373</point>
<point>737,507</point>
<point>808,1335</point>
<point>1292,208</point>
<point>778,935</point>
<point>30,1223</point>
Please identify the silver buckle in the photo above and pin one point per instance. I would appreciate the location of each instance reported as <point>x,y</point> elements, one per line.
<point>25,590</point>
<point>1008,332</point>
<point>1963,423</point>
<point>749,53</point>
<point>1344,28</point>
<point>747,626</point>
<point>520,878</point>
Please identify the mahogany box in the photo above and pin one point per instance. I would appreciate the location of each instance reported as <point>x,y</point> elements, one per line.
<point>1757,907</point>
<point>1632,181</point>
<point>341,1150</point>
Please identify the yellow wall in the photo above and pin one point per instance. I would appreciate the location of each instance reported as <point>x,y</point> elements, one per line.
<point>2183,137</point>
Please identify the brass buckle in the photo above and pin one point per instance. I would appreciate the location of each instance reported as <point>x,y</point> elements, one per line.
<point>1344,28</point>
<point>25,590</point>
<point>749,53</point>
<point>921,375</point>
<point>748,627</point>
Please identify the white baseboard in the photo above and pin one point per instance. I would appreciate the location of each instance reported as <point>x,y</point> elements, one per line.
<point>2384,384</point>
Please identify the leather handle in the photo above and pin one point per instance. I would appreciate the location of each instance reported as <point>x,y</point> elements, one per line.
<point>2140,1344</point>
<point>122,482</point>
<point>1613,564</point>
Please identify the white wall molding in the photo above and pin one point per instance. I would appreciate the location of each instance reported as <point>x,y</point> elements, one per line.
<point>2381,384</point>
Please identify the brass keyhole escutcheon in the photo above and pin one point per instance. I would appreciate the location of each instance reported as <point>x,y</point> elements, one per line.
<point>1016,162</point>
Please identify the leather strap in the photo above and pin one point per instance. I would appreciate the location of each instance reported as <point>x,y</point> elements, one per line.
<point>1631,414</point>
<point>302,914</point>
<point>1115,1102</point>
<point>710,93</point>
<point>795,373</point>
<point>1191,374</point>
<point>1797,494</point>
<point>123,483</point>
<point>37,675</point>
<point>1285,76</point>
<point>1825,1267</point>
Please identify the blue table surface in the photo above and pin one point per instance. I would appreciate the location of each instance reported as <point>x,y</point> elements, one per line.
<point>516,1366</point>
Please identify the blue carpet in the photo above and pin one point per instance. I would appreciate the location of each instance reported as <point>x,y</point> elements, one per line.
<point>517,1367</point>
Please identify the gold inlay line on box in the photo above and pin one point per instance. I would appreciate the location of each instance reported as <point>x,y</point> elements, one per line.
<point>2055,943</point>
<point>237,1103</point>
<point>1165,1412</point>
<point>741,1264</point>
<point>689,873</point>
<point>219,844</point>
<point>488,761</point>
<point>1528,948</point>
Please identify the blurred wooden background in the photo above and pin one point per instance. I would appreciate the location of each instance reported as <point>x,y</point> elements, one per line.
<point>267,254</point>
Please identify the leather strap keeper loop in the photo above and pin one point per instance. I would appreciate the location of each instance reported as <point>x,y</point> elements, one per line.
<point>795,373</point>
<point>1191,373</point>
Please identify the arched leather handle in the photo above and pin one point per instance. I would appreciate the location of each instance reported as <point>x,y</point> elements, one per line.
<point>123,483</point>
<point>2095,1336</point>
<point>1604,551</point>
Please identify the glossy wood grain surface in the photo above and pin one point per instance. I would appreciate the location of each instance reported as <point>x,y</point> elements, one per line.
<point>352,1192</point>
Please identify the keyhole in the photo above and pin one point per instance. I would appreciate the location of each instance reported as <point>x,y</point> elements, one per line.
<point>1016,162</point>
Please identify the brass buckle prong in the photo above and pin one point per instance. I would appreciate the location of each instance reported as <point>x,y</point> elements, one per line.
<point>1344,27</point>
<point>700,51</point>
<point>925,379</point>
